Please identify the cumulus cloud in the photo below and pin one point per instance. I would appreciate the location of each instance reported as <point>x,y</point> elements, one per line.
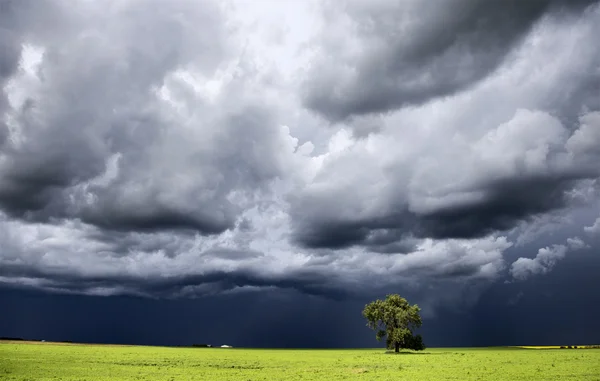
<point>545,259</point>
<point>594,228</point>
<point>465,166</point>
<point>543,262</point>
<point>479,184</point>
<point>576,243</point>
<point>178,148</point>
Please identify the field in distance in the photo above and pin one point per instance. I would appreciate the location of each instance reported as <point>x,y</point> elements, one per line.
<point>559,347</point>
<point>48,361</point>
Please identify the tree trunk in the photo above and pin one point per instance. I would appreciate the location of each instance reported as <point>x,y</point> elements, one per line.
<point>396,347</point>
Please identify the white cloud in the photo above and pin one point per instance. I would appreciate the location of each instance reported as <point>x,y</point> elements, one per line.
<point>576,243</point>
<point>545,259</point>
<point>543,262</point>
<point>594,228</point>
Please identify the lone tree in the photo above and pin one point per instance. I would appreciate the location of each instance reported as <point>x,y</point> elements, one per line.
<point>395,319</point>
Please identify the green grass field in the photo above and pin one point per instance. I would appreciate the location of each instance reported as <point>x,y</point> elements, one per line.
<point>47,361</point>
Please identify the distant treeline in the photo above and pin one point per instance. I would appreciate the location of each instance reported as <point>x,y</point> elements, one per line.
<point>580,347</point>
<point>22,339</point>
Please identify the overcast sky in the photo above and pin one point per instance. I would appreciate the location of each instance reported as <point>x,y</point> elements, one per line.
<point>174,168</point>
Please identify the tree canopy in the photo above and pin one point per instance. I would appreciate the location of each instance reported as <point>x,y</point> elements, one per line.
<point>396,320</point>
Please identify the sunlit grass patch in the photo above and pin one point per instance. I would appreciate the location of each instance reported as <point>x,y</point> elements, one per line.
<point>20,362</point>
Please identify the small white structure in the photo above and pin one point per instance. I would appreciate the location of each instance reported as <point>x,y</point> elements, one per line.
<point>225,346</point>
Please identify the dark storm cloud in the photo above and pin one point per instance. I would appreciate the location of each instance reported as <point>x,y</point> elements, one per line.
<point>176,286</point>
<point>403,53</point>
<point>66,139</point>
<point>16,25</point>
<point>390,241</point>
<point>309,282</point>
<point>193,194</point>
<point>98,106</point>
<point>165,265</point>
<point>159,148</point>
<point>506,203</point>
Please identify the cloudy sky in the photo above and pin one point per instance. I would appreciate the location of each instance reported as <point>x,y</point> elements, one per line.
<point>173,168</point>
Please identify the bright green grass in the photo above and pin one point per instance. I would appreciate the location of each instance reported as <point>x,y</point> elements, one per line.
<point>88,362</point>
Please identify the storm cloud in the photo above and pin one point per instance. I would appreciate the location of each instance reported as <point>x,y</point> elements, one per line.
<point>383,55</point>
<point>176,149</point>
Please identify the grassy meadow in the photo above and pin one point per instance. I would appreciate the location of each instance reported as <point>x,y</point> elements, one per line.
<point>49,361</point>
